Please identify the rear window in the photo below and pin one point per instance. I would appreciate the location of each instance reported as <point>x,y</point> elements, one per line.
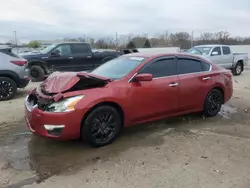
<point>226,50</point>
<point>80,48</point>
<point>9,52</point>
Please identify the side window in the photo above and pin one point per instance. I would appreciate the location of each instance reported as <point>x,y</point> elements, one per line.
<point>226,50</point>
<point>160,68</point>
<point>186,66</point>
<point>64,50</point>
<point>9,52</point>
<point>206,66</point>
<point>216,51</point>
<point>78,49</point>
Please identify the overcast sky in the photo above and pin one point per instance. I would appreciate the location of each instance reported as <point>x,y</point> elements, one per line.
<point>51,19</point>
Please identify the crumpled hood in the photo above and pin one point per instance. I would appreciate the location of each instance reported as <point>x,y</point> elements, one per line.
<point>59,82</point>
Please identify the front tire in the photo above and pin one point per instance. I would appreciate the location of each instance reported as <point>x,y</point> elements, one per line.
<point>238,69</point>
<point>36,73</point>
<point>8,88</point>
<point>213,103</point>
<point>102,126</point>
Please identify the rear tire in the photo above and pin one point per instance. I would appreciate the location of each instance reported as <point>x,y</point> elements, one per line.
<point>213,103</point>
<point>102,126</point>
<point>238,69</point>
<point>8,88</point>
<point>36,73</point>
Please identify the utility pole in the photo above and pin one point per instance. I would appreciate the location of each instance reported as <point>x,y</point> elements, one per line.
<point>116,40</point>
<point>166,37</point>
<point>192,39</point>
<point>16,41</point>
<point>15,38</point>
<point>84,38</point>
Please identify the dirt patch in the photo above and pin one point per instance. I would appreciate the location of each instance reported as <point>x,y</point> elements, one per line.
<point>187,151</point>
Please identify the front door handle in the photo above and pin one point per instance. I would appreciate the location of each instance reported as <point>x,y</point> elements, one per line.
<point>70,57</point>
<point>173,84</point>
<point>89,57</point>
<point>206,78</point>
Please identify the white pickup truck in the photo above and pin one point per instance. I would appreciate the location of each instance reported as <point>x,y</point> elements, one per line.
<point>222,55</point>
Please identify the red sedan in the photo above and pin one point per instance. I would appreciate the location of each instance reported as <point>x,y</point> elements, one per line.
<point>125,91</point>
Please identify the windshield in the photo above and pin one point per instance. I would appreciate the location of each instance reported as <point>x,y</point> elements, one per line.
<point>199,50</point>
<point>118,67</point>
<point>47,49</point>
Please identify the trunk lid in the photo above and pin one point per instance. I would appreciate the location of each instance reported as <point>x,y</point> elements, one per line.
<point>60,82</point>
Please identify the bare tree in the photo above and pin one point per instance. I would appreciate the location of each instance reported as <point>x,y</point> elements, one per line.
<point>100,43</point>
<point>207,37</point>
<point>181,39</point>
<point>222,36</point>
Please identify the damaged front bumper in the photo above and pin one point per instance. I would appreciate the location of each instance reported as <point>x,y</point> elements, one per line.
<point>60,125</point>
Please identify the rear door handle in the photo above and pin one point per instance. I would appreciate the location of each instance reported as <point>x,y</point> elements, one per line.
<point>89,57</point>
<point>206,78</point>
<point>173,84</point>
<point>70,57</point>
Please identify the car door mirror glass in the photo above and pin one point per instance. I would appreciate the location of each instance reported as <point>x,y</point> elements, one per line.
<point>214,53</point>
<point>143,77</point>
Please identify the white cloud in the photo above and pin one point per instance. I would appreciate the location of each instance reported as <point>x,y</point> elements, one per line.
<point>46,19</point>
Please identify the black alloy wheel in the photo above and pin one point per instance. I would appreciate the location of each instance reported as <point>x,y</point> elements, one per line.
<point>101,126</point>
<point>8,88</point>
<point>213,103</point>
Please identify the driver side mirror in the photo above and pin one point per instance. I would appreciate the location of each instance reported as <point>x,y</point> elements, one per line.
<point>143,77</point>
<point>56,53</point>
<point>214,53</point>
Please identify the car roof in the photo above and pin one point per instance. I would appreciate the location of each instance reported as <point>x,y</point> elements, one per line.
<point>58,43</point>
<point>210,45</point>
<point>160,54</point>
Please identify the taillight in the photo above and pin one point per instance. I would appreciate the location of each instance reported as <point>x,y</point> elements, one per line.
<point>19,63</point>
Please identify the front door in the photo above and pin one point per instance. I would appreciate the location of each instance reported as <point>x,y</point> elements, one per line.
<point>60,58</point>
<point>216,56</point>
<point>156,98</point>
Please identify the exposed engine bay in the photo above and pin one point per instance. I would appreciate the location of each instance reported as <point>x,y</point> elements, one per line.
<point>53,88</point>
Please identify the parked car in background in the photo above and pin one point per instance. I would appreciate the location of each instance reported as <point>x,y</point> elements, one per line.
<point>223,56</point>
<point>67,57</point>
<point>128,90</point>
<point>13,73</point>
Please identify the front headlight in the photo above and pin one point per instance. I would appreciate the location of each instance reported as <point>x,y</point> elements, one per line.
<point>65,105</point>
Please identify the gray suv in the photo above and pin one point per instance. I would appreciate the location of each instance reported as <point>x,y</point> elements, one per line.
<point>13,73</point>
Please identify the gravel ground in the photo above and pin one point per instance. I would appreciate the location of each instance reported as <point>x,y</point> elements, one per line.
<point>188,151</point>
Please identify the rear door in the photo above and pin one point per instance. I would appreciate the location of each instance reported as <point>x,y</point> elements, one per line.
<point>195,81</point>
<point>156,98</point>
<point>82,57</point>
<point>227,60</point>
